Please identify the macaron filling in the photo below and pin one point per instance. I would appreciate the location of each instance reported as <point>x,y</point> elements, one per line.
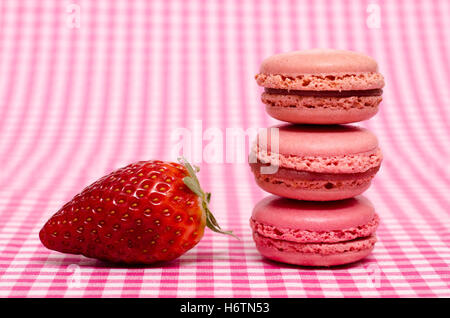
<point>322,178</point>
<point>312,93</point>
<point>294,174</point>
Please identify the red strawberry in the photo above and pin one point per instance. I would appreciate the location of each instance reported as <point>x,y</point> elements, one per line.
<point>146,212</point>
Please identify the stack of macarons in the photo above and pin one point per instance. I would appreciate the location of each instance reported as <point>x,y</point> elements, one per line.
<point>317,166</point>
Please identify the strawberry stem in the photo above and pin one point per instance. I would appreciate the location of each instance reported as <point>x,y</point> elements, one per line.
<point>194,185</point>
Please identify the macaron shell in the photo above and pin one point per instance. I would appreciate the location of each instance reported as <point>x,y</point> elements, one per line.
<point>320,116</point>
<point>356,251</point>
<point>265,162</point>
<point>314,216</point>
<point>325,140</point>
<point>324,111</point>
<point>308,194</point>
<point>318,61</point>
<point>362,81</point>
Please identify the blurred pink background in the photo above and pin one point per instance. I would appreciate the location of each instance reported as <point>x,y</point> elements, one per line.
<point>90,86</point>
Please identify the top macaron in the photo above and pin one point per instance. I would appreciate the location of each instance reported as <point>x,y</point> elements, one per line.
<point>321,86</point>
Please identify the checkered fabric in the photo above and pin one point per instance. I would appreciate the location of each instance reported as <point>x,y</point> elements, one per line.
<point>90,86</point>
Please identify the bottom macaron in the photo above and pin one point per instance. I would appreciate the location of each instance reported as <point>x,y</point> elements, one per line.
<point>314,233</point>
<point>314,254</point>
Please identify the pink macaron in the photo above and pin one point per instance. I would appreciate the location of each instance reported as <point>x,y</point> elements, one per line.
<point>316,163</point>
<point>314,233</point>
<point>321,86</point>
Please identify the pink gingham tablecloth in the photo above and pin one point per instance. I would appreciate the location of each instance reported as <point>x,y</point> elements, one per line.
<point>89,86</point>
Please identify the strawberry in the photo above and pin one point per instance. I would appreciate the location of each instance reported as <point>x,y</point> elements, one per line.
<point>146,212</point>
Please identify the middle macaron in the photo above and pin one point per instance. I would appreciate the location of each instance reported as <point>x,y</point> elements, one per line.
<point>315,163</point>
